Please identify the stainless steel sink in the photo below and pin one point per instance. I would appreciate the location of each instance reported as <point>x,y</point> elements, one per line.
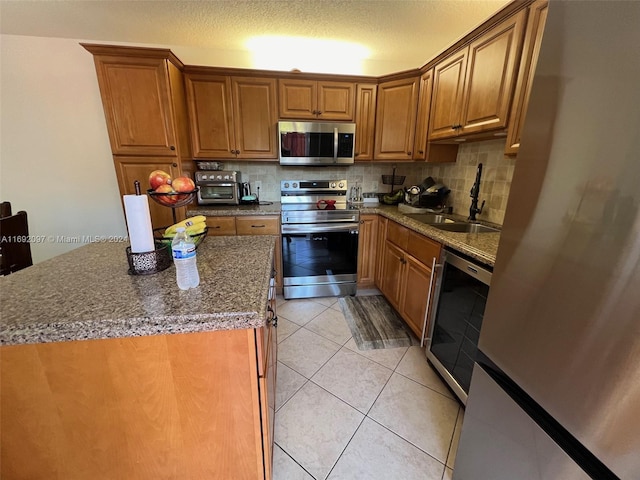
<point>465,227</point>
<point>429,218</point>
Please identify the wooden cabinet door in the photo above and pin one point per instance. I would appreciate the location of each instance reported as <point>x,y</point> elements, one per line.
<point>491,73</point>
<point>210,115</point>
<point>415,294</point>
<point>380,248</point>
<point>336,100</point>
<point>422,118</point>
<point>312,100</point>
<point>396,119</point>
<point>423,253</point>
<point>267,338</point>
<point>393,274</point>
<point>255,114</point>
<point>129,169</point>
<point>298,98</point>
<point>446,101</point>
<point>137,104</point>
<point>365,121</point>
<point>422,149</point>
<point>530,51</point>
<point>367,243</point>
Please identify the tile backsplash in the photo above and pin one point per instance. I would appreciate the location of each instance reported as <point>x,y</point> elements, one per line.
<point>458,176</point>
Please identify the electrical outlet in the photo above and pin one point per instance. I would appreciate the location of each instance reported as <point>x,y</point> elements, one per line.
<point>257,185</point>
<point>374,186</point>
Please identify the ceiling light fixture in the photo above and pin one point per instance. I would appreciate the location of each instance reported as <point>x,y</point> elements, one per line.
<point>273,52</point>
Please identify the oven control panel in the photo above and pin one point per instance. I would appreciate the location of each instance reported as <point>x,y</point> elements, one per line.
<point>312,187</point>
<point>217,176</point>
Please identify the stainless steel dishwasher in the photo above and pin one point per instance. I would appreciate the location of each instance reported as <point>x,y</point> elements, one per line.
<point>461,295</point>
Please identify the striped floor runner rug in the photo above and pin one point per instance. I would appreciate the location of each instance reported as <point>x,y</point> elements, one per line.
<point>374,323</point>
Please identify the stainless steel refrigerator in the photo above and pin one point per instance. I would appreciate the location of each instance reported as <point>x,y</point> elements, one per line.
<point>555,392</point>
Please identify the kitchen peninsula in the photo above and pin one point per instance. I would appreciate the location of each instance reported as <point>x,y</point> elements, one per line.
<point>110,375</point>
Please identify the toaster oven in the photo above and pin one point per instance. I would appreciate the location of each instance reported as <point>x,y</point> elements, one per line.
<point>218,187</point>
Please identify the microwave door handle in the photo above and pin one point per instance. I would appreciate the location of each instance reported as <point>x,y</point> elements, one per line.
<point>335,144</point>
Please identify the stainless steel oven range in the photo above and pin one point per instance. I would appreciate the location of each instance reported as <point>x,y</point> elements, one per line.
<point>319,239</point>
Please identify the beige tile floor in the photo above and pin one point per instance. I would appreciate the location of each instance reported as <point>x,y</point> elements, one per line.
<point>343,413</point>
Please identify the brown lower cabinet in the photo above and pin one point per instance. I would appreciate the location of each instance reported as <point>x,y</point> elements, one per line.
<point>367,248</point>
<point>407,261</point>
<point>196,405</point>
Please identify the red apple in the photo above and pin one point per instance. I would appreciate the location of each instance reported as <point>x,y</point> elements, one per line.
<point>183,184</point>
<point>159,177</point>
<point>166,199</point>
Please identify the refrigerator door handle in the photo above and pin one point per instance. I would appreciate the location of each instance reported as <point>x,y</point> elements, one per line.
<point>434,267</point>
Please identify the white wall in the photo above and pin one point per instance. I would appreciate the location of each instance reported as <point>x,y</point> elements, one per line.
<point>55,159</point>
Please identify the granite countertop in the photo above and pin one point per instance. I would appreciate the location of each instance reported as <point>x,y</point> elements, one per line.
<point>265,208</point>
<point>479,246</point>
<point>88,294</point>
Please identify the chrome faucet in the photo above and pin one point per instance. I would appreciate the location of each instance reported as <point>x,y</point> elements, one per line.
<point>475,191</point>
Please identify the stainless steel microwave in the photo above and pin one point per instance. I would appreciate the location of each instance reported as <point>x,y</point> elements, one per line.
<point>316,143</point>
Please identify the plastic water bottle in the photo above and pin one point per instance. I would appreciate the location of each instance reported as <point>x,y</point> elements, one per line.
<point>184,257</point>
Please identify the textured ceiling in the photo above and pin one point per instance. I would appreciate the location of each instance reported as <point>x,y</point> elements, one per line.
<point>399,34</point>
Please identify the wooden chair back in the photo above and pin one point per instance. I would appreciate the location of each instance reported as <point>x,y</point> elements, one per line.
<point>15,249</point>
<point>5,209</point>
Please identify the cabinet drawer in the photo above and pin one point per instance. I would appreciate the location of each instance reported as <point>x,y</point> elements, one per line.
<point>257,225</point>
<point>423,248</point>
<point>398,234</point>
<point>221,225</point>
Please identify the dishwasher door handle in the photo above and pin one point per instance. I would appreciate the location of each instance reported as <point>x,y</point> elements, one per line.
<point>434,267</point>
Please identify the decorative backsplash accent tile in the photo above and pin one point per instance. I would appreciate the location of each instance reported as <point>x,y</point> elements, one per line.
<point>497,172</point>
<point>459,176</point>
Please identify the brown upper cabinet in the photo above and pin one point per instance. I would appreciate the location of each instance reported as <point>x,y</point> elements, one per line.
<point>316,100</point>
<point>422,149</point>
<point>396,119</point>
<point>422,119</point>
<point>142,91</point>
<point>232,116</point>
<point>530,52</point>
<point>365,120</point>
<point>472,88</point>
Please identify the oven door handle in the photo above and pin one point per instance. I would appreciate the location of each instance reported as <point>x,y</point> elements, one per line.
<point>320,228</point>
<point>290,220</point>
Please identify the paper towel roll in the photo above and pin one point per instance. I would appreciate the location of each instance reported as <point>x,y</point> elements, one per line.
<point>136,210</point>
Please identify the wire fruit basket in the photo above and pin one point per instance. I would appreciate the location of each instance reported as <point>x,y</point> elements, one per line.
<point>173,199</point>
<point>393,179</point>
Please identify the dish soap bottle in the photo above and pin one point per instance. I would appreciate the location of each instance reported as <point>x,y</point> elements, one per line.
<point>184,257</point>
